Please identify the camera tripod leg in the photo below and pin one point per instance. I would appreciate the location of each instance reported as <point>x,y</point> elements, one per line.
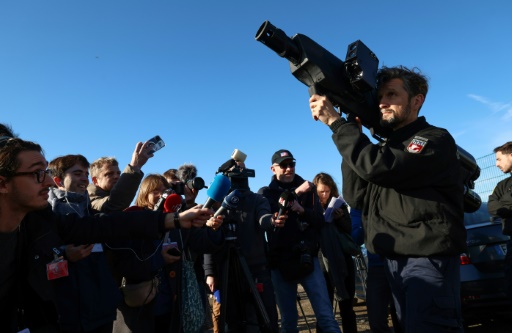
<point>303,314</point>
<point>236,265</point>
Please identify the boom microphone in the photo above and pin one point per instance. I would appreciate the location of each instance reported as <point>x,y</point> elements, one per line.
<point>286,200</point>
<point>173,203</point>
<point>217,190</point>
<point>230,202</point>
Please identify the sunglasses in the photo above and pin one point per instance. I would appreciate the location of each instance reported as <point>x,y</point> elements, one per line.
<point>287,165</point>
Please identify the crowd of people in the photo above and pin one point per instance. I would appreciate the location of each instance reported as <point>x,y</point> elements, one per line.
<point>77,257</point>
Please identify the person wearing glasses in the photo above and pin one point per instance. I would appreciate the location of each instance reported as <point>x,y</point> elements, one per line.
<point>293,244</point>
<point>31,235</point>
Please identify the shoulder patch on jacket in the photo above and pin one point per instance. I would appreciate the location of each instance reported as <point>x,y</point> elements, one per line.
<point>417,144</point>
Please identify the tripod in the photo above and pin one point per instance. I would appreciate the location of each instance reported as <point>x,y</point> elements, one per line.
<point>237,271</point>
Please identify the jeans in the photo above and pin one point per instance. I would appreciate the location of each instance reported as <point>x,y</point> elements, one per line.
<point>316,290</point>
<point>426,292</point>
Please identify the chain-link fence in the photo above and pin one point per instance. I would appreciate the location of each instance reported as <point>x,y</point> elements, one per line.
<point>490,175</point>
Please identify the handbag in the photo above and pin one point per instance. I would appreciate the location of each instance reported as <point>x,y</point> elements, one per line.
<point>192,308</point>
<point>139,294</point>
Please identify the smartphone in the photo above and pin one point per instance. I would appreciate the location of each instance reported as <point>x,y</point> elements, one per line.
<point>156,143</point>
<point>174,250</point>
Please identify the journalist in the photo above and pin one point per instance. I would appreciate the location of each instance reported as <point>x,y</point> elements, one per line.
<point>293,244</point>
<point>88,298</point>
<point>413,199</point>
<point>244,226</point>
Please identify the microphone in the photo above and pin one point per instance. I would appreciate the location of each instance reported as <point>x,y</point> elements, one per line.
<point>230,202</point>
<point>286,200</point>
<point>172,203</point>
<point>217,190</point>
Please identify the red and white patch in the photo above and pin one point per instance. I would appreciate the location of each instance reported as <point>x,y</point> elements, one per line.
<point>416,145</point>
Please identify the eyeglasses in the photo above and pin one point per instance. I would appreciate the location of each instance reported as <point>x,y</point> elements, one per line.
<point>287,165</point>
<point>40,174</point>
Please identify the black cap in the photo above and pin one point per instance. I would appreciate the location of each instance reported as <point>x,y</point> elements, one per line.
<point>281,155</point>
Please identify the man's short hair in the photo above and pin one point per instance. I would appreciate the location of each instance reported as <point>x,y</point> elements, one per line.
<point>186,172</point>
<point>60,164</point>
<point>505,148</point>
<point>97,165</point>
<point>414,81</point>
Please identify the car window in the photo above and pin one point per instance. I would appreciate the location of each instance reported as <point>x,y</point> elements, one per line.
<point>480,216</point>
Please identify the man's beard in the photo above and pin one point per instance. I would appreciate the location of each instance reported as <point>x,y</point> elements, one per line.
<point>394,121</point>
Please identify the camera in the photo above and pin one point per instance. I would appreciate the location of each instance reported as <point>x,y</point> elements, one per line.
<point>306,257</point>
<point>196,183</point>
<point>178,188</point>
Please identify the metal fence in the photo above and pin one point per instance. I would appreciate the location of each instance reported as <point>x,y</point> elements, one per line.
<point>490,175</point>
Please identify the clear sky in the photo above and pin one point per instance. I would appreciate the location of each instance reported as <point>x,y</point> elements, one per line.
<point>95,77</point>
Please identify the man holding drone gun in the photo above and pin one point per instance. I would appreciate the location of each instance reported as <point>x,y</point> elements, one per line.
<point>413,199</point>
<point>412,187</point>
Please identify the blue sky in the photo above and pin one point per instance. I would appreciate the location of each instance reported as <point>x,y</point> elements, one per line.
<point>95,77</point>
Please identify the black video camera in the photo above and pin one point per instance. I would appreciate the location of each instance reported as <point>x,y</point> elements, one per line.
<point>196,183</point>
<point>351,85</point>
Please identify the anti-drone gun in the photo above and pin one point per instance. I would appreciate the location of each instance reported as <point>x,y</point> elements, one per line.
<point>351,86</point>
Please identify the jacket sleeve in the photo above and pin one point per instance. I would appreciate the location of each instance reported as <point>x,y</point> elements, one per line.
<point>495,205</point>
<point>116,226</point>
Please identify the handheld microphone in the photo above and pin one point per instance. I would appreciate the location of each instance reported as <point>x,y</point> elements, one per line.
<point>217,190</point>
<point>230,202</point>
<point>172,203</point>
<point>286,201</point>
<point>160,203</point>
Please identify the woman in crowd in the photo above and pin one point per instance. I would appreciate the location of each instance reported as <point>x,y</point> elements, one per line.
<point>143,261</point>
<point>337,249</point>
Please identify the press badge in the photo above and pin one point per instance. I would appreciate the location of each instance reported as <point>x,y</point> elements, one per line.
<point>58,267</point>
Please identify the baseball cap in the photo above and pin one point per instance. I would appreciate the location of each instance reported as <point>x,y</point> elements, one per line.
<point>281,155</point>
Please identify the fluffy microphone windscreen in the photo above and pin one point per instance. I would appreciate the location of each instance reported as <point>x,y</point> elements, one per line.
<point>219,187</point>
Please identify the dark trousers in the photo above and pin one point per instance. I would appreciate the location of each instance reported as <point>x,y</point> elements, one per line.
<point>379,301</point>
<point>508,269</point>
<point>426,292</point>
